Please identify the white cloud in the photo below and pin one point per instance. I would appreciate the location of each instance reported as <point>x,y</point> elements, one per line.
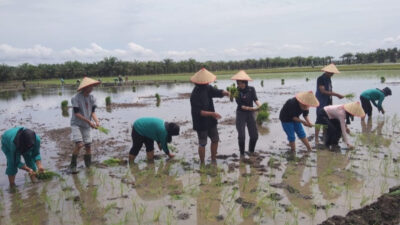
<point>293,47</point>
<point>39,51</point>
<point>330,42</point>
<point>140,50</point>
<point>392,39</point>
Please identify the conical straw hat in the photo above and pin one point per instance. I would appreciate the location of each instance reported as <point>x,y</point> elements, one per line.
<point>331,68</point>
<point>307,98</point>
<point>203,76</point>
<point>354,108</point>
<point>241,75</point>
<point>86,82</point>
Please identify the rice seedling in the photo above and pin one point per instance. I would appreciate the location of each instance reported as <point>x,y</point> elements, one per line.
<point>133,88</point>
<point>108,100</point>
<point>47,175</point>
<point>60,93</point>
<point>262,83</point>
<point>233,92</point>
<point>215,86</point>
<point>383,79</point>
<point>156,215</point>
<point>158,99</point>
<point>103,130</point>
<point>64,104</point>
<point>350,96</point>
<point>282,81</point>
<point>263,114</point>
<point>307,79</point>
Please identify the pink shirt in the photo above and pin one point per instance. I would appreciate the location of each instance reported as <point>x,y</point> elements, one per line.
<point>338,112</point>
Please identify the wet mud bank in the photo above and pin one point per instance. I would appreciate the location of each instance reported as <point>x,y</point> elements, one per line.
<point>386,210</point>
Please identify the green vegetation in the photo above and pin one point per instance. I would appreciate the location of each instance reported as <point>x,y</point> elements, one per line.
<point>383,79</point>
<point>307,79</point>
<point>108,101</point>
<point>233,91</point>
<point>113,162</point>
<point>64,104</point>
<point>47,175</point>
<point>103,130</point>
<point>263,113</point>
<point>133,88</point>
<point>350,96</point>
<point>158,100</point>
<point>282,81</point>
<point>262,83</point>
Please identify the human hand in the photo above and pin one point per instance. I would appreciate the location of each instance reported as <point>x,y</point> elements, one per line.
<point>383,111</point>
<point>347,130</point>
<point>350,146</point>
<point>93,125</point>
<point>225,93</point>
<point>216,116</point>
<point>170,155</point>
<point>41,170</point>
<point>97,123</point>
<point>339,96</point>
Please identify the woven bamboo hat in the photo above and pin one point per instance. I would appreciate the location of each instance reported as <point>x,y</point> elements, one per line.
<point>86,82</point>
<point>241,75</point>
<point>203,76</point>
<point>331,68</point>
<point>354,108</point>
<point>307,98</point>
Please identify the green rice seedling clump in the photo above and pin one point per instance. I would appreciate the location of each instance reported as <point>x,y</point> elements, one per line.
<point>112,162</point>
<point>108,100</point>
<point>47,175</point>
<point>64,104</point>
<point>103,130</point>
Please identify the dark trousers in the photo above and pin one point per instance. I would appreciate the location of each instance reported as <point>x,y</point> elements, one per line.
<point>244,118</point>
<point>333,133</point>
<point>366,105</point>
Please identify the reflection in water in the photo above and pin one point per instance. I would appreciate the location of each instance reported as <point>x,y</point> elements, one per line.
<point>373,137</point>
<point>248,184</point>
<point>152,183</point>
<point>209,197</point>
<point>91,210</point>
<point>263,130</point>
<point>333,177</point>
<point>298,192</point>
<point>29,210</point>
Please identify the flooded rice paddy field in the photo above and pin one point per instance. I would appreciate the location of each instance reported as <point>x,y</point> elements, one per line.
<point>272,187</point>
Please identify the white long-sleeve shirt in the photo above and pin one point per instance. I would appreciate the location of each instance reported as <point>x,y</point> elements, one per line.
<point>338,112</point>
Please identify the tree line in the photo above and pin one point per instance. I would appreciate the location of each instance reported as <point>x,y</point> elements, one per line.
<point>112,66</point>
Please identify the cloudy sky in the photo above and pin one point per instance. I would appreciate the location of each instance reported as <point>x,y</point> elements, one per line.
<point>53,31</point>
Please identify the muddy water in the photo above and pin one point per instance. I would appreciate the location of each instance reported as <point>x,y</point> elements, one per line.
<point>273,187</point>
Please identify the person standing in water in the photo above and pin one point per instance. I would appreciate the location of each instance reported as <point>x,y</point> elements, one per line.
<point>245,112</point>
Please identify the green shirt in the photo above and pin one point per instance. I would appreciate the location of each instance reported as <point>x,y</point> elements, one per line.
<point>13,156</point>
<point>153,128</point>
<point>374,95</point>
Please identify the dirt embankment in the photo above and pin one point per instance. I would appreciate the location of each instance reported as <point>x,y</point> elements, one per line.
<point>384,211</point>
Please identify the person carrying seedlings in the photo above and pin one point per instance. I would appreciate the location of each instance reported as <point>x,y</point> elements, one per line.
<point>373,95</point>
<point>290,117</point>
<point>149,129</point>
<point>17,142</point>
<point>83,119</point>
<point>337,117</point>
<point>245,112</point>
<point>324,95</point>
<point>204,116</point>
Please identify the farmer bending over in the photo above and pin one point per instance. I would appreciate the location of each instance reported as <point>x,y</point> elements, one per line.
<point>149,129</point>
<point>373,95</point>
<point>17,142</point>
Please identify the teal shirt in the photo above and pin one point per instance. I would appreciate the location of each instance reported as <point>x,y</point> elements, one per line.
<point>14,157</point>
<point>374,95</point>
<point>153,128</point>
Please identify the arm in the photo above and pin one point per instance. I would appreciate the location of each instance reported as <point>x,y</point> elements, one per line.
<point>96,120</point>
<point>381,98</point>
<point>81,117</point>
<point>210,114</point>
<point>36,154</point>
<point>331,93</point>
<point>344,132</point>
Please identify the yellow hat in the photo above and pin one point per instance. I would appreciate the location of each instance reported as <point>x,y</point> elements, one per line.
<point>86,82</point>
<point>203,76</point>
<point>354,108</point>
<point>241,75</point>
<point>331,68</point>
<point>307,98</point>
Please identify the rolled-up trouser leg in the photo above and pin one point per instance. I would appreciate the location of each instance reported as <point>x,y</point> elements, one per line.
<point>240,127</point>
<point>252,129</point>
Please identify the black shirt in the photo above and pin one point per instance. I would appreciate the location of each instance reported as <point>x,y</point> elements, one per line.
<point>201,99</point>
<point>323,99</point>
<point>246,97</point>
<point>291,109</point>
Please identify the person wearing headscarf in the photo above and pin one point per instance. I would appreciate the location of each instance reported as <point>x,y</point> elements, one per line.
<point>146,130</point>
<point>376,96</point>
<point>245,112</point>
<point>204,116</point>
<point>17,142</point>
<point>290,117</point>
<point>83,119</point>
<point>324,94</point>
<point>337,117</point>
